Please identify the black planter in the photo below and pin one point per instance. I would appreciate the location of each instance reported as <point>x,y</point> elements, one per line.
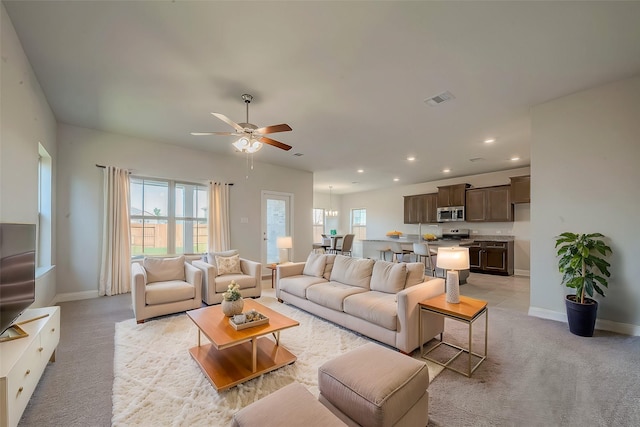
<point>581,317</point>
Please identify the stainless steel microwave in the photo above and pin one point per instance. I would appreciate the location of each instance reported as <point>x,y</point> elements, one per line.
<point>451,214</point>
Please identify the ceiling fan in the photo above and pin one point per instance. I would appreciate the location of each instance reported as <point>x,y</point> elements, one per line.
<point>251,136</point>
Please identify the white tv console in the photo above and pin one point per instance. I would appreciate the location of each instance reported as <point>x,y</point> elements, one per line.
<point>23,360</point>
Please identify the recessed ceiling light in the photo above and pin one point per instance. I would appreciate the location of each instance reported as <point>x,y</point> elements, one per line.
<point>396,179</point>
<point>489,140</point>
<point>447,170</point>
<point>360,170</point>
<point>513,159</point>
<point>411,158</point>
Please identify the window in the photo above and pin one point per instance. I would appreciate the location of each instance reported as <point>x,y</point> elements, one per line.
<point>359,223</point>
<point>318,224</point>
<point>168,217</point>
<point>44,221</point>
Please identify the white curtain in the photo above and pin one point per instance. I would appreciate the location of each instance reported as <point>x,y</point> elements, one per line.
<point>219,231</point>
<point>115,268</point>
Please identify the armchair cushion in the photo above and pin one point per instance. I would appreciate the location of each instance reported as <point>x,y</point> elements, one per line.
<point>169,291</point>
<point>164,269</point>
<point>228,264</point>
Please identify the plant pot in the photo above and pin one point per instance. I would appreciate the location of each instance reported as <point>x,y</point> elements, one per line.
<point>581,317</point>
<point>231,308</point>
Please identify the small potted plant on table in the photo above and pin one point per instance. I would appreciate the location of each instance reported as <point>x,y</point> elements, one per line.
<point>584,269</point>
<point>232,302</point>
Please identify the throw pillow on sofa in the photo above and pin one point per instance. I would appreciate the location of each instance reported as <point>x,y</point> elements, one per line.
<point>388,277</point>
<point>352,271</point>
<point>415,273</point>
<point>228,265</point>
<point>315,265</point>
<point>164,269</point>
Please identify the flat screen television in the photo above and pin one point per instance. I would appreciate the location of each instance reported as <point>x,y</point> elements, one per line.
<point>17,271</point>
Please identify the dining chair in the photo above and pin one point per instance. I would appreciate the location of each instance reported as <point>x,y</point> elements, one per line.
<point>347,244</point>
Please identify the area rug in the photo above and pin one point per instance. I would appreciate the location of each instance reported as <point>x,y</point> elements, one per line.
<point>156,382</point>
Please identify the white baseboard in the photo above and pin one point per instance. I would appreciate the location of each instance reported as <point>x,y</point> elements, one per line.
<point>75,296</point>
<point>602,324</point>
<point>526,273</point>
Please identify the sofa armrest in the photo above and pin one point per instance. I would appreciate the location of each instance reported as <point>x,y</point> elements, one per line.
<point>138,285</point>
<point>253,269</point>
<point>409,314</point>
<point>193,275</point>
<point>209,273</point>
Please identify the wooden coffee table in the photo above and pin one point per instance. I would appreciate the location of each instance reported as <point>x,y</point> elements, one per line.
<point>233,357</point>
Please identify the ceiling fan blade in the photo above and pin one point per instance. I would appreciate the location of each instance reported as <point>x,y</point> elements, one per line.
<point>229,122</point>
<point>275,143</point>
<point>273,129</point>
<point>213,133</point>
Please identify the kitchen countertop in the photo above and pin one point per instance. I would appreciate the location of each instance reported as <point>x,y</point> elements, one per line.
<point>410,239</point>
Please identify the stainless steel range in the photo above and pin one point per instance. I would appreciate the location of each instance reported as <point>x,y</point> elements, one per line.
<point>455,234</point>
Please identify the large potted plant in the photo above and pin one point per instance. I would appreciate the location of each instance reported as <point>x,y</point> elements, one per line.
<point>582,263</point>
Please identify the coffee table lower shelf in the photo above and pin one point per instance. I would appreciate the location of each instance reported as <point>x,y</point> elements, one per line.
<point>231,366</point>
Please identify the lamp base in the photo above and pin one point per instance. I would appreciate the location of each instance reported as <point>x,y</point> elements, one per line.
<point>284,255</point>
<point>453,287</point>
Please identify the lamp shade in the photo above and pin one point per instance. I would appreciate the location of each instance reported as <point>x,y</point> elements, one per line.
<point>284,242</point>
<point>455,258</point>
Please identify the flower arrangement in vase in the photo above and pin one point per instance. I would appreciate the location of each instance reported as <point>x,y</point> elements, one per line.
<point>232,302</point>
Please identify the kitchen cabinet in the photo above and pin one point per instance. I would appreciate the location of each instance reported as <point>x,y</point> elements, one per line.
<point>492,257</point>
<point>452,195</point>
<point>521,189</point>
<point>489,204</point>
<point>420,208</point>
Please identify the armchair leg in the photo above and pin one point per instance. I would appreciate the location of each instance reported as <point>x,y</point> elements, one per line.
<point>140,321</point>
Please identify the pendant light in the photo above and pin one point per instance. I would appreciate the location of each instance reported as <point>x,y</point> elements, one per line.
<point>331,212</point>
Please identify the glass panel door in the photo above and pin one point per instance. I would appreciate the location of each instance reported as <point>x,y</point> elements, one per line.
<point>276,222</point>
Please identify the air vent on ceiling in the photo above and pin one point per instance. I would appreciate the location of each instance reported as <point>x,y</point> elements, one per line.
<point>298,154</point>
<point>439,99</point>
<point>476,159</point>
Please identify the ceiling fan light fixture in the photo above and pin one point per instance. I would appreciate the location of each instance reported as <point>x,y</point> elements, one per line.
<point>242,144</point>
<point>254,146</point>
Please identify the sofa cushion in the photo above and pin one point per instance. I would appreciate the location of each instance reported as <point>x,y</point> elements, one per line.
<point>211,256</point>
<point>163,269</point>
<point>228,264</point>
<point>330,259</point>
<point>242,280</point>
<point>315,265</point>
<point>331,294</point>
<point>388,276</point>
<point>379,308</point>
<point>168,292</point>
<point>352,271</point>
<point>415,274</point>
<point>297,285</point>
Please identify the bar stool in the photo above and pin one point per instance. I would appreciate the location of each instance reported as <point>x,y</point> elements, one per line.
<point>398,251</point>
<point>423,252</point>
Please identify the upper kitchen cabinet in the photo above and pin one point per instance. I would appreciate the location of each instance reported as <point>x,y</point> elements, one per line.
<point>420,208</point>
<point>521,189</point>
<point>452,195</point>
<point>490,204</point>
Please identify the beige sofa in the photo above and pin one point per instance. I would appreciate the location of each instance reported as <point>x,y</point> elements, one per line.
<point>378,299</point>
<point>164,286</point>
<point>216,279</point>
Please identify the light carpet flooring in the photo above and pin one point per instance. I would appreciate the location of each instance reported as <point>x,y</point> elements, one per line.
<point>76,390</point>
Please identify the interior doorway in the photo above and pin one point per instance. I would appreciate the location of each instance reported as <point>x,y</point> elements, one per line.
<point>277,219</point>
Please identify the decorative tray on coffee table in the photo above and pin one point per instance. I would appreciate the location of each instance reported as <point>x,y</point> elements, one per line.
<point>253,319</point>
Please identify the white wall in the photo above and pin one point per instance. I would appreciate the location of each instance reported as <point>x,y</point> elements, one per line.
<point>25,120</point>
<point>385,211</point>
<point>585,176</point>
<point>80,196</point>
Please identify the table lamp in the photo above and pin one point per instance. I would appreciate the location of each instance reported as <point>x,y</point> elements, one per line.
<point>284,244</point>
<point>453,260</point>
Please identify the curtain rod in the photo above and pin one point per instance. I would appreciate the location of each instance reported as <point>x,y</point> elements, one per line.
<point>103,167</point>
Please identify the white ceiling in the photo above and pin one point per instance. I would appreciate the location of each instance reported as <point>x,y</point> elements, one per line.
<point>350,78</point>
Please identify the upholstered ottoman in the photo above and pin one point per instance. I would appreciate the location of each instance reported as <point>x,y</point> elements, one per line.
<point>292,405</point>
<point>375,386</point>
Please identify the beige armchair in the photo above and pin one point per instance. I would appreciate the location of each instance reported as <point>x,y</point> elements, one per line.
<point>164,286</point>
<point>220,268</point>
